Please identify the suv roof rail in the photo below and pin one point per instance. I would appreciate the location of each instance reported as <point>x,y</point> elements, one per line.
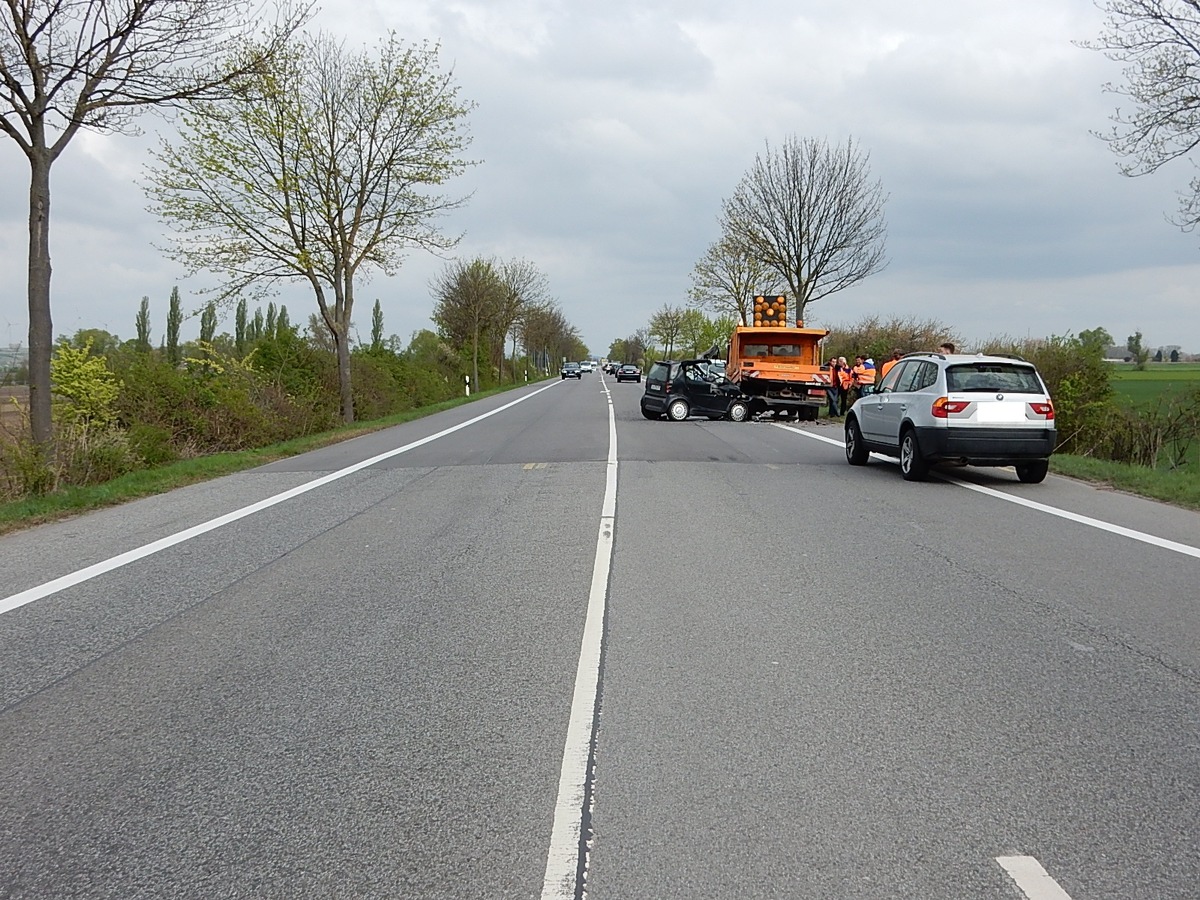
<point>1015,356</point>
<point>924,353</point>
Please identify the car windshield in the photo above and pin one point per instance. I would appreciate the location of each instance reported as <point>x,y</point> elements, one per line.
<point>993,377</point>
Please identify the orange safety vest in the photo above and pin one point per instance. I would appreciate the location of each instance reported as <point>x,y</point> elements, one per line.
<point>883,370</point>
<point>864,376</point>
<point>846,377</point>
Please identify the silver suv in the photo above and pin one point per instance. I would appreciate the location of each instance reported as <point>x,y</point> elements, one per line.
<point>973,409</point>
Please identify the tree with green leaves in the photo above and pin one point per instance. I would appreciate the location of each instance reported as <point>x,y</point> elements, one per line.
<point>811,213</point>
<point>174,321</point>
<point>283,324</point>
<point>272,315</point>
<point>208,322</point>
<point>1140,354</point>
<point>258,324</point>
<point>240,323</point>
<point>330,166</point>
<point>468,299</point>
<point>1158,43</point>
<point>142,323</point>
<point>377,328</point>
<point>94,65</point>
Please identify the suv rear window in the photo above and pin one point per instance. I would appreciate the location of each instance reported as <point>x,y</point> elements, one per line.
<point>989,377</point>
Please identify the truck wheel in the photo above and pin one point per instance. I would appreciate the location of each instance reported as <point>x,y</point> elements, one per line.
<point>677,410</point>
<point>738,411</point>
<point>856,450</point>
<point>912,464</point>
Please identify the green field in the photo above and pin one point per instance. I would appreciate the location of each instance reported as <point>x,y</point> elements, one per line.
<point>1158,381</point>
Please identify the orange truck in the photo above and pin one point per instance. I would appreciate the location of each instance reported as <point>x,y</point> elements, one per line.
<point>778,366</point>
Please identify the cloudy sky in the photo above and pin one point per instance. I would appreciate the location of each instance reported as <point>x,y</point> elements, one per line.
<point>608,134</point>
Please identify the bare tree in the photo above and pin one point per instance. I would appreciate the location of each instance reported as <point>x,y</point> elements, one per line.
<point>525,288</point>
<point>812,214</point>
<point>666,324</point>
<point>95,64</point>
<point>727,279</point>
<point>326,170</point>
<point>1159,42</point>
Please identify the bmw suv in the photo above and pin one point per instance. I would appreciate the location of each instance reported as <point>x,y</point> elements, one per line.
<point>971,409</point>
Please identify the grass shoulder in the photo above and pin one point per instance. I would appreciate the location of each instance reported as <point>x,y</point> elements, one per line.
<point>1178,487</point>
<point>72,501</point>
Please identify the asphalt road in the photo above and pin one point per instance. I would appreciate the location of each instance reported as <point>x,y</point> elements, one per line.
<point>814,681</point>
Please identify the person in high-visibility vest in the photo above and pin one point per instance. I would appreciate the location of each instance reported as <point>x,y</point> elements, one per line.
<point>864,376</point>
<point>888,363</point>
<point>835,387</point>
<point>845,383</point>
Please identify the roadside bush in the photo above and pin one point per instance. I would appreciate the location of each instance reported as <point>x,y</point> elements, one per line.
<point>877,338</point>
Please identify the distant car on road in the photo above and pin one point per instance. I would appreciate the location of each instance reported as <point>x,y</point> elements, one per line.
<point>587,365</point>
<point>970,409</point>
<point>686,387</point>
<point>571,370</point>
<point>629,373</point>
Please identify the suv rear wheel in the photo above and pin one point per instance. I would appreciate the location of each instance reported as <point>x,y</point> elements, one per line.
<point>912,464</point>
<point>677,410</point>
<point>1033,472</point>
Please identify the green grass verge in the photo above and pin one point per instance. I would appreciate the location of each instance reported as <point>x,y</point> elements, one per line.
<point>1179,488</point>
<point>147,482</point>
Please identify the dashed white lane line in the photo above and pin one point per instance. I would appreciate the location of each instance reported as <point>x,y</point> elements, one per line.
<point>567,859</point>
<point>1174,546</point>
<point>8,604</point>
<point>1031,878</point>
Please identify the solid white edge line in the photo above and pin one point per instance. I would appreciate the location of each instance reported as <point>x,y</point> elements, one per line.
<point>8,604</point>
<point>566,834</point>
<point>1031,878</point>
<point>1163,543</point>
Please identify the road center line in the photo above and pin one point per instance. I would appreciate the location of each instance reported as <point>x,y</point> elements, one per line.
<point>566,863</point>
<point>1031,878</point>
<point>1163,543</point>
<point>8,604</point>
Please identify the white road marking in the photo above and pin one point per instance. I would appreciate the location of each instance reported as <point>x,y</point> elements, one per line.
<point>8,604</point>
<point>1031,878</point>
<point>1174,546</point>
<point>567,858</point>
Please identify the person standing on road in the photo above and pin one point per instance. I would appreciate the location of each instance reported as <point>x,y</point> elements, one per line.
<point>845,383</point>
<point>888,363</point>
<point>864,377</point>
<point>833,392</point>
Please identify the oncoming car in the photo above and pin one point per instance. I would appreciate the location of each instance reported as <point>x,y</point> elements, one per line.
<point>571,370</point>
<point>682,388</point>
<point>969,409</point>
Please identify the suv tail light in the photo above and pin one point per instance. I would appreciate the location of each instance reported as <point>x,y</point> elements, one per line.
<point>1043,409</point>
<point>942,407</point>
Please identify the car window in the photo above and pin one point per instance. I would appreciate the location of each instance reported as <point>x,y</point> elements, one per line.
<point>893,377</point>
<point>658,372</point>
<point>926,376</point>
<point>989,377</point>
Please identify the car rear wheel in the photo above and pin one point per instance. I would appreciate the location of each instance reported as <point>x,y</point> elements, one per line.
<point>1033,472</point>
<point>677,410</point>
<point>912,464</point>
<point>738,411</point>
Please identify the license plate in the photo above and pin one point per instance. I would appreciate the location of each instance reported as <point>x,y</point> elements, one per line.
<point>999,411</point>
<point>654,387</point>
